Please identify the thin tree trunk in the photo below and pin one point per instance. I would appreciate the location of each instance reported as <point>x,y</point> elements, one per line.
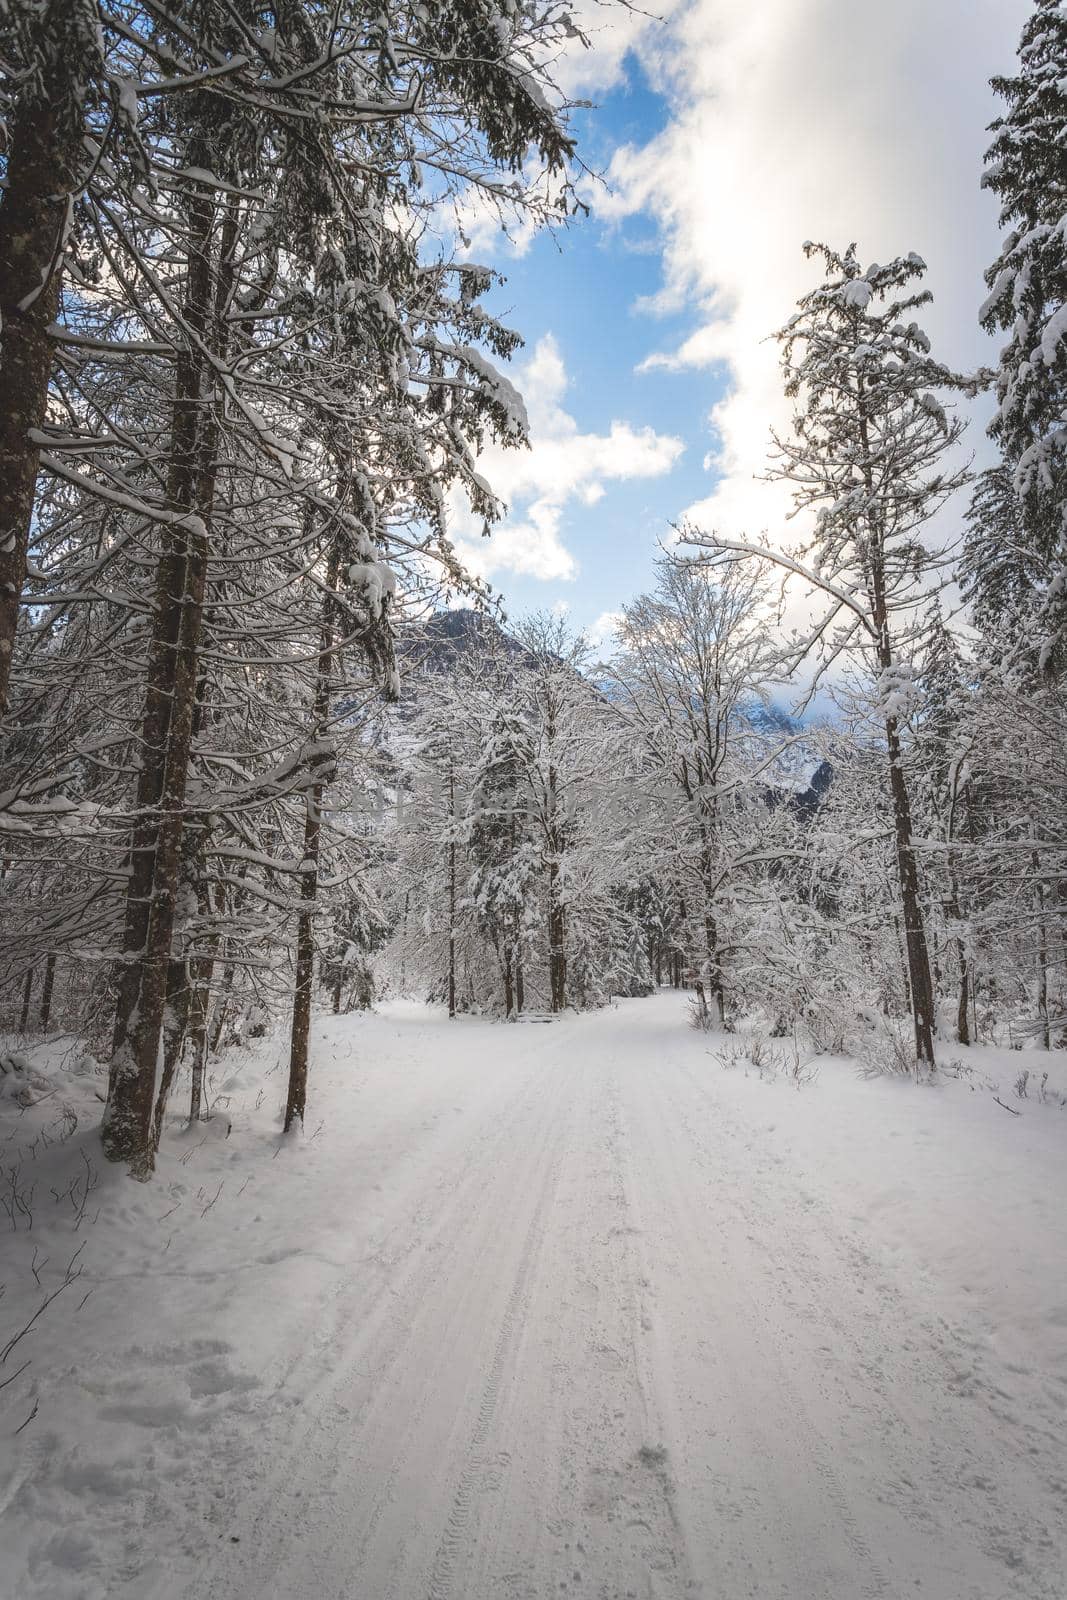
<point>45,144</point>
<point>198,1036</point>
<point>715,977</point>
<point>451,883</point>
<point>918,955</point>
<point>920,983</point>
<point>218,1020</point>
<point>179,990</point>
<point>46,992</point>
<point>1042,955</point>
<point>963,1027</point>
<point>27,991</point>
<point>196,1093</point>
<point>557,952</point>
<point>505,972</point>
<point>296,1099</point>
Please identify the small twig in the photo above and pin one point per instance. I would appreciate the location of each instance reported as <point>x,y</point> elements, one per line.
<point>45,1303</point>
<point>189,1154</point>
<point>214,1197</point>
<point>29,1419</point>
<point>15,1374</point>
<point>1007,1108</point>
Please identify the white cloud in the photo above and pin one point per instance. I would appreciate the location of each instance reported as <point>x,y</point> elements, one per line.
<point>611,30</point>
<point>562,467</point>
<point>824,119</point>
<point>601,634</point>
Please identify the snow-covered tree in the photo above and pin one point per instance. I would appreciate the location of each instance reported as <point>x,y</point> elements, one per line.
<point>692,667</point>
<point>1026,168</point>
<point>867,457</point>
<point>501,850</point>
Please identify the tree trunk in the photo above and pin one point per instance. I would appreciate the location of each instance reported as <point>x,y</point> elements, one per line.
<point>27,991</point>
<point>963,1024</point>
<point>451,884</point>
<point>505,972</point>
<point>920,984</point>
<point>46,992</point>
<point>296,1099</point>
<point>167,732</point>
<point>45,143</point>
<point>196,1091</point>
<point>557,933</point>
<point>218,1019</point>
<point>715,979</point>
<point>179,990</point>
<point>1042,955</point>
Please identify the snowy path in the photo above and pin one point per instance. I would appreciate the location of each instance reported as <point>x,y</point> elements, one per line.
<point>571,1311</point>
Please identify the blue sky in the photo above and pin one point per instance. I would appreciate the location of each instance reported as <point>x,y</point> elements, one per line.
<point>728,134</point>
<point>585,289</point>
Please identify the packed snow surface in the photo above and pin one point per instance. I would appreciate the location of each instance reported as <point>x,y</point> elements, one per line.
<point>558,1309</point>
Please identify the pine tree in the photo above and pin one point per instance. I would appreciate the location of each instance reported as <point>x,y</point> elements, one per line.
<point>50,58</point>
<point>1026,167</point>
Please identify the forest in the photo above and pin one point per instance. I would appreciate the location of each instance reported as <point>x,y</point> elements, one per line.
<point>269,746</point>
<point>595,1090</point>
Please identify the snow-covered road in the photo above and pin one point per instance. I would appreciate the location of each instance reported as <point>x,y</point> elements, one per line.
<point>570,1310</point>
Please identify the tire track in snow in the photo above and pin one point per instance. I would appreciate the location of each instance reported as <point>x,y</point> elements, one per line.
<point>758,1404</point>
<point>367,1340</point>
<point>442,1573</point>
<point>611,1522</point>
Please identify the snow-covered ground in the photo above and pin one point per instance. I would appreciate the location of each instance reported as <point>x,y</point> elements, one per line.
<point>568,1309</point>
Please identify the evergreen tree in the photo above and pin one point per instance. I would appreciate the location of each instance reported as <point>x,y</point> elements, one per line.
<point>1026,168</point>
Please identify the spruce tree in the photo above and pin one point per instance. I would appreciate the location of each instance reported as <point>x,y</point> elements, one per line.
<point>1026,168</point>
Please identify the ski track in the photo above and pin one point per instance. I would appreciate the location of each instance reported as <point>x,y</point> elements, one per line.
<point>600,1340</point>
